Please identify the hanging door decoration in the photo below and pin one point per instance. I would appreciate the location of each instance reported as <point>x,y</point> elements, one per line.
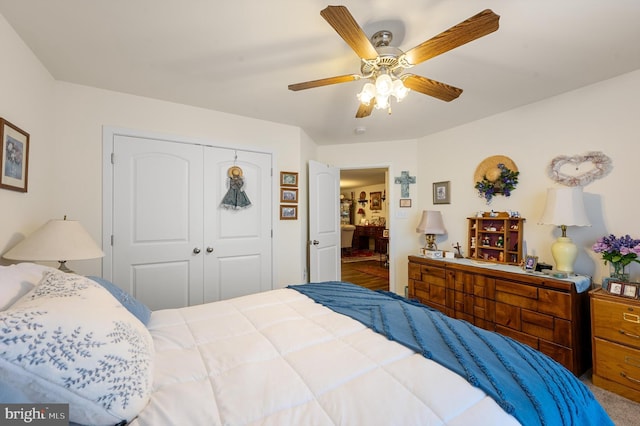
<point>235,198</point>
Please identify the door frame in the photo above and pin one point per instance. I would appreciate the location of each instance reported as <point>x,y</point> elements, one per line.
<point>389,220</point>
<point>108,135</point>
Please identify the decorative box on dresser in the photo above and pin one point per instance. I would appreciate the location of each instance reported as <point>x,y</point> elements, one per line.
<point>546,313</point>
<point>615,323</point>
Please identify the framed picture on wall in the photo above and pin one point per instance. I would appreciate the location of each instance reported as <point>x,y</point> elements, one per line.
<point>14,157</point>
<point>288,195</point>
<point>288,179</point>
<point>441,193</point>
<point>405,202</point>
<point>376,201</point>
<point>288,212</point>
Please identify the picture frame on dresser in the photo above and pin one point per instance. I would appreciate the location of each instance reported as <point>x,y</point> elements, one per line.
<point>630,290</point>
<point>615,287</point>
<point>530,263</point>
<point>14,157</point>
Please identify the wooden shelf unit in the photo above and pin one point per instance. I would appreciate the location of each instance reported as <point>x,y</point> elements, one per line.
<point>545,313</point>
<point>495,239</point>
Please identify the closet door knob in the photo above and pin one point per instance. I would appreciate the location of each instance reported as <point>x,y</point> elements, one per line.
<point>315,242</point>
<point>196,250</point>
<point>209,249</point>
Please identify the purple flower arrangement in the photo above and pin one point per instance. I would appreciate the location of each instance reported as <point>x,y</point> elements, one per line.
<point>622,250</point>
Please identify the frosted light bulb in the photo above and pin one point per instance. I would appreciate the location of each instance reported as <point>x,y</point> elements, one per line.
<point>368,92</point>
<point>399,90</point>
<point>384,84</point>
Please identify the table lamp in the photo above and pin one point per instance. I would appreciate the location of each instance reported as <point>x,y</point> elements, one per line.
<point>57,240</point>
<point>431,225</point>
<point>564,207</point>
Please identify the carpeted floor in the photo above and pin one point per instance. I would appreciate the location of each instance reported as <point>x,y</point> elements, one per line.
<point>622,411</point>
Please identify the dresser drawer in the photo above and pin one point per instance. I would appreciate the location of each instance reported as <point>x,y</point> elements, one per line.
<point>616,321</point>
<point>617,363</point>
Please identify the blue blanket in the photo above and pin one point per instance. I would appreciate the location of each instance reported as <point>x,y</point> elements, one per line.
<point>532,387</point>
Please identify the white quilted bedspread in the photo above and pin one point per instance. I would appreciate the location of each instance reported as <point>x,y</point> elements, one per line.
<point>278,358</point>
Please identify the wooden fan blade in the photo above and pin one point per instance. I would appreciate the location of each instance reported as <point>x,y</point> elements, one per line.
<point>342,21</point>
<point>324,82</point>
<point>365,110</point>
<point>432,88</point>
<point>473,28</point>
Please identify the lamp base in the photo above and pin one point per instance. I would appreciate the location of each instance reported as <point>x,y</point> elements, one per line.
<point>63,267</point>
<point>564,253</point>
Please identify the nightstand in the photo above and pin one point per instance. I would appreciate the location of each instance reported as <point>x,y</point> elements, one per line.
<point>615,331</point>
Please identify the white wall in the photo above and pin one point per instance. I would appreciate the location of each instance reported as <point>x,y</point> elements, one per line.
<point>397,156</point>
<point>601,117</point>
<point>65,123</point>
<point>65,176</point>
<point>81,113</point>
<point>27,102</point>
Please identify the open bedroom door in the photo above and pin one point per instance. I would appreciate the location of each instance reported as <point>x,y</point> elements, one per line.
<point>324,222</point>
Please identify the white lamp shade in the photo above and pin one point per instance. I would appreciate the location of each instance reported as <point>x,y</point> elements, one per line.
<point>431,223</point>
<point>57,240</point>
<point>565,206</point>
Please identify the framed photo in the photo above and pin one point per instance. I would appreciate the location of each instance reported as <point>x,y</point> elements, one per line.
<point>288,195</point>
<point>288,179</point>
<point>615,287</point>
<point>630,290</point>
<point>441,193</point>
<point>288,212</point>
<point>376,201</point>
<point>385,233</point>
<point>530,263</point>
<point>14,157</point>
<point>405,202</point>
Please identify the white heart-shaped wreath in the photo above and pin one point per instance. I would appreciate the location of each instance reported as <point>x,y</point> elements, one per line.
<point>586,168</point>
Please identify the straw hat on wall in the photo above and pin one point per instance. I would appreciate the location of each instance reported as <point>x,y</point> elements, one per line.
<point>489,168</point>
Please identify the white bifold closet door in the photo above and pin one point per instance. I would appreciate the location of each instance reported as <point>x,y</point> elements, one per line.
<point>173,243</point>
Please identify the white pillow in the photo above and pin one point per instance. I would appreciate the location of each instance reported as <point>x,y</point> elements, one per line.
<point>17,280</point>
<point>70,341</point>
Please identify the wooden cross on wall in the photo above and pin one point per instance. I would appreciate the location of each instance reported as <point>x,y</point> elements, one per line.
<point>405,180</point>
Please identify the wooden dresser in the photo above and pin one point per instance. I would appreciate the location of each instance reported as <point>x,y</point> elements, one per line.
<point>545,313</point>
<point>615,324</point>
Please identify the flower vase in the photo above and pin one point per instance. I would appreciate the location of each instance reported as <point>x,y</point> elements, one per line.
<point>618,271</point>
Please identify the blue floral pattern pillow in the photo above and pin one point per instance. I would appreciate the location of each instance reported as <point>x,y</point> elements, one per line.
<point>69,340</point>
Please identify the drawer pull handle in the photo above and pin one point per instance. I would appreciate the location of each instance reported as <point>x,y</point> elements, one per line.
<point>631,379</point>
<point>634,362</point>
<point>631,317</point>
<point>634,336</point>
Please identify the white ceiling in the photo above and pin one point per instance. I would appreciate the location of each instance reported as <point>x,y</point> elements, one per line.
<point>239,56</point>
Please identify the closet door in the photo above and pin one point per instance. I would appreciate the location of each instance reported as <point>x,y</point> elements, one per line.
<point>174,244</point>
<point>158,221</point>
<point>238,242</point>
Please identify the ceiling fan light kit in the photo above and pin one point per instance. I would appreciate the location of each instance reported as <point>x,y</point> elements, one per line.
<point>383,65</point>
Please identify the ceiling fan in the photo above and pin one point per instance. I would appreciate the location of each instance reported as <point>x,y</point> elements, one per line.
<point>383,65</point>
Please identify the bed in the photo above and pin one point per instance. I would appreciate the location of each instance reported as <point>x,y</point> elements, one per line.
<point>323,353</point>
